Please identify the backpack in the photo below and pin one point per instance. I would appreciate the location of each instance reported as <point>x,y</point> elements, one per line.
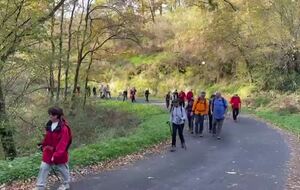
<point>205,102</point>
<point>213,103</point>
<point>172,109</point>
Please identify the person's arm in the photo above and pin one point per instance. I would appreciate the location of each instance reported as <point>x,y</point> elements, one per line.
<point>194,108</point>
<point>184,116</point>
<point>206,107</point>
<point>62,146</point>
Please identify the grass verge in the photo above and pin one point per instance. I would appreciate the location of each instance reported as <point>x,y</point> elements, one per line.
<point>287,121</point>
<point>149,132</point>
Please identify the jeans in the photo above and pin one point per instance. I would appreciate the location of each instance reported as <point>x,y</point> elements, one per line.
<point>199,123</point>
<point>176,127</point>
<point>235,113</point>
<point>217,126</point>
<point>44,171</point>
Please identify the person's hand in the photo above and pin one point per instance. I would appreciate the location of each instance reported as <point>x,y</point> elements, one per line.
<point>52,159</point>
<point>192,113</point>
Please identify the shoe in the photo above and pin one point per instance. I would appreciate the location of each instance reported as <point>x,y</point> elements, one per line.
<point>219,138</point>
<point>173,149</point>
<point>183,146</point>
<point>201,135</point>
<point>210,131</point>
<point>64,187</point>
<point>192,132</point>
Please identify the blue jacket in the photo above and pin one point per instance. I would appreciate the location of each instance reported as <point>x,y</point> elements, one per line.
<point>219,108</point>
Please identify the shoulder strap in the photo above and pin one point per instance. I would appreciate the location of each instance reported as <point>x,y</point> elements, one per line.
<point>224,104</point>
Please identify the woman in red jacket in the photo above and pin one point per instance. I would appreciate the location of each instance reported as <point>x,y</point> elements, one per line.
<point>235,102</point>
<point>55,149</point>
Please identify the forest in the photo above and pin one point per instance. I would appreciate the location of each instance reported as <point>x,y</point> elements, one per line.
<point>50,48</point>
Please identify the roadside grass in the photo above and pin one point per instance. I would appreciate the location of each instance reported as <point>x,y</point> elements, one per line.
<point>150,131</point>
<point>284,120</point>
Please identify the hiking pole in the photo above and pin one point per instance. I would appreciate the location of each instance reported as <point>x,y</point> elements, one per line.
<point>52,169</point>
<point>54,172</point>
<point>169,123</point>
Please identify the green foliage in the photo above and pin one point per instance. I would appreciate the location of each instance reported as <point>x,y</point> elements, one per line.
<point>151,131</point>
<point>289,122</point>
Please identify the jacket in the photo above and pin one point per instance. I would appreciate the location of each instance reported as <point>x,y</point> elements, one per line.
<point>201,107</point>
<point>56,143</point>
<point>235,102</point>
<point>178,115</point>
<point>189,95</point>
<point>219,108</point>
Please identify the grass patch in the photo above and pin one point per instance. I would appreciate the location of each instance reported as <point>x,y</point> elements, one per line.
<point>289,122</point>
<point>150,59</point>
<point>149,132</point>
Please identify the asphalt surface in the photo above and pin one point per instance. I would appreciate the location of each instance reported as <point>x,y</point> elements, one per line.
<point>250,156</point>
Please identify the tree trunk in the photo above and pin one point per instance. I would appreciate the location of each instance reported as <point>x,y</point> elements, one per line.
<point>80,51</point>
<point>51,67</point>
<point>87,78</point>
<point>6,133</point>
<point>152,9</point>
<point>60,52</point>
<point>69,51</point>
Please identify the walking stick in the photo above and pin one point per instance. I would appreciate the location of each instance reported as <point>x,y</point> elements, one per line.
<point>169,123</point>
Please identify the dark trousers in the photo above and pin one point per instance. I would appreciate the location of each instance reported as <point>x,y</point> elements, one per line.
<point>210,118</point>
<point>124,97</point>
<point>147,98</point>
<point>217,126</point>
<point>180,133</point>
<point>133,99</point>
<point>190,121</point>
<point>182,103</point>
<point>168,103</point>
<point>235,113</point>
<point>199,123</point>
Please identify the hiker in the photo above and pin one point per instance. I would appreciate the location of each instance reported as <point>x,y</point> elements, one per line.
<point>147,93</point>
<point>95,91</point>
<point>125,95</point>
<point>55,146</point>
<point>190,117</point>
<point>210,116</point>
<point>132,94</point>
<point>182,97</point>
<point>175,95</point>
<point>189,95</point>
<point>107,92</point>
<point>235,102</point>
<point>200,110</point>
<point>219,109</point>
<point>168,99</point>
<point>101,88</point>
<point>177,118</point>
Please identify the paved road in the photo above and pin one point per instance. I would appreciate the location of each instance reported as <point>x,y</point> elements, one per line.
<point>250,156</point>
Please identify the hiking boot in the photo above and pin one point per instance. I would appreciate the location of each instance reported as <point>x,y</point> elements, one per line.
<point>64,187</point>
<point>183,146</point>
<point>173,148</point>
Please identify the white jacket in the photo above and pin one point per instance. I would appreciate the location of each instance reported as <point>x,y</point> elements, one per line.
<point>178,115</point>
